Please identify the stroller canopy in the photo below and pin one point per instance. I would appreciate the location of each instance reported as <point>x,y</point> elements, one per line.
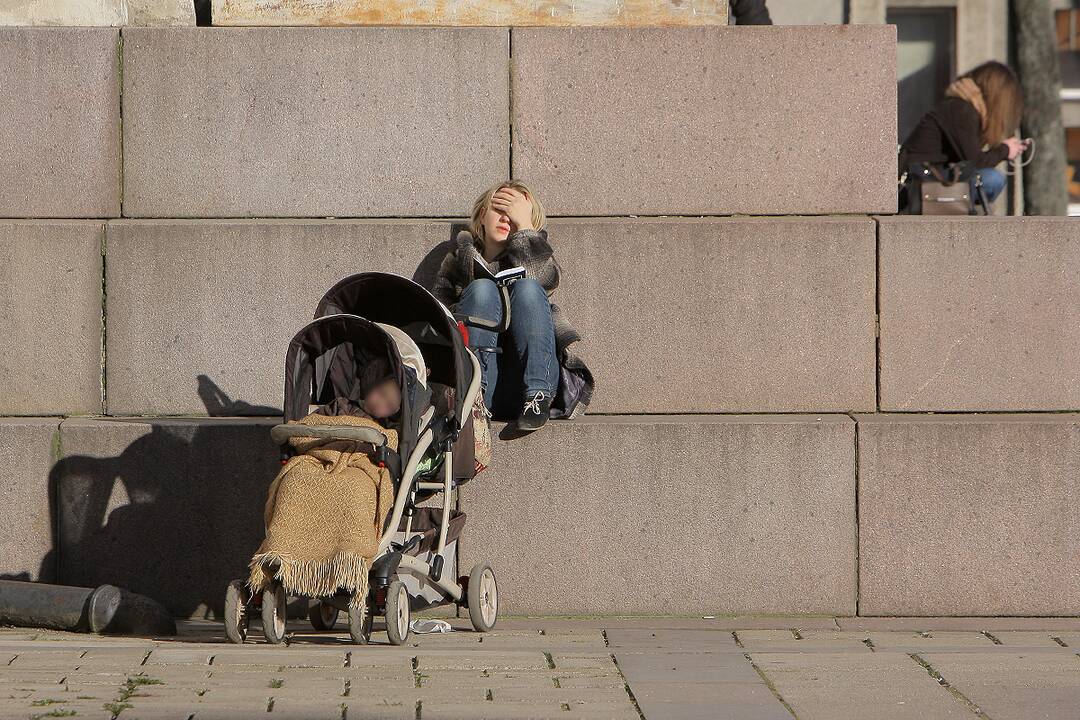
<point>408,351</point>
<point>393,300</point>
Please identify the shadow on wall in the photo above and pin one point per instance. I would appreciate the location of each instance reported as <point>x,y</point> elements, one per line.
<point>175,515</point>
<point>429,266</point>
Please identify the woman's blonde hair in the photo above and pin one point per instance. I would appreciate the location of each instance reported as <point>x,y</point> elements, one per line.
<point>476,223</point>
<point>1004,100</point>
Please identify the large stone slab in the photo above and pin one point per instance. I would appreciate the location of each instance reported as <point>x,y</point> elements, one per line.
<point>470,12</point>
<point>969,514</point>
<point>200,314</point>
<point>312,122</point>
<point>171,508</point>
<point>106,13</point>
<point>980,313</point>
<point>28,448</point>
<point>781,310</point>
<point>732,315</point>
<point>670,515</point>
<point>50,310</point>
<point>707,121</point>
<point>60,109</point>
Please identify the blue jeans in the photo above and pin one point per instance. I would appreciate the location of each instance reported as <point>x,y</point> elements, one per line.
<point>531,329</point>
<point>993,183</point>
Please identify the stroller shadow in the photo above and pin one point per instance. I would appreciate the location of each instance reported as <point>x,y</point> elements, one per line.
<point>174,515</point>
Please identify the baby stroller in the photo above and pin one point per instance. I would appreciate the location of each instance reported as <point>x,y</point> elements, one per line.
<point>415,565</point>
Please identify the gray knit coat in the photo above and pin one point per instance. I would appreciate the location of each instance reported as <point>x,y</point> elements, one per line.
<point>528,249</point>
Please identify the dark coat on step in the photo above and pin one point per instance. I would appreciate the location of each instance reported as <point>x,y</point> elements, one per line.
<point>528,249</point>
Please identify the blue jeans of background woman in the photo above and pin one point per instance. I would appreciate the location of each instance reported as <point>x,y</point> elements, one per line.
<point>993,182</point>
<point>532,333</point>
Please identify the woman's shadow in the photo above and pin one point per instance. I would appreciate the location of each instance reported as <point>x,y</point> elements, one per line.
<point>175,515</point>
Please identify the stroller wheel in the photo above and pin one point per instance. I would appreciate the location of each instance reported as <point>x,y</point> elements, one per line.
<point>323,615</point>
<point>273,614</point>
<point>397,613</point>
<point>483,596</point>
<point>236,612</point>
<point>360,621</point>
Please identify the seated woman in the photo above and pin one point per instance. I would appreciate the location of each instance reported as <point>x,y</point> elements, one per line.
<point>540,376</point>
<point>976,121</point>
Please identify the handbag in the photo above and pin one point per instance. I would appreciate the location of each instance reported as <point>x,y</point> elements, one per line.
<point>943,189</point>
<point>472,450</point>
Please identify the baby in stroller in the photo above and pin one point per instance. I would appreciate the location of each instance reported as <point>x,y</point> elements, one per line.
<point>362,446</point>
<point>380,396</point>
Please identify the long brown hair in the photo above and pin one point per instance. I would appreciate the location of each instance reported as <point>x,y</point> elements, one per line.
<point>1004,100</point>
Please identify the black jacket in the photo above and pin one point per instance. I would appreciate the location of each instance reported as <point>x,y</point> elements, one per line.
<point>750,12</point>
<point>951,132</point>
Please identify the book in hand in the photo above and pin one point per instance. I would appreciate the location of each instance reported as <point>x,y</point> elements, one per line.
<point>503,277</point>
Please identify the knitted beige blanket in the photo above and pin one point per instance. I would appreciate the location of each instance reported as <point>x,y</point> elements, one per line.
<point>324,516</point>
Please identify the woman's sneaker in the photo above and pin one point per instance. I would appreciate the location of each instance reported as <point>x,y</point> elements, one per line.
<point>536,412</point>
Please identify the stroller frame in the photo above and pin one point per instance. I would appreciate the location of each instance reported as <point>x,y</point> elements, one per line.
<point>387,593</point>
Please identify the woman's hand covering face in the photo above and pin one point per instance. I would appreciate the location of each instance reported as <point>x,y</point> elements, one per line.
<point>515,206</point>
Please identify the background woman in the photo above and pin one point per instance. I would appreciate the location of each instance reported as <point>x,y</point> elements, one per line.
<point>976,121</point>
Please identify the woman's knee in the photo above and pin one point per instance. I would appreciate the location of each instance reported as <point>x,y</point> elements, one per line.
<point>481,297</point>
<point>527,291</point>
<point>993,181</point>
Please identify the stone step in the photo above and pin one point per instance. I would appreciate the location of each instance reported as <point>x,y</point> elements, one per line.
<point>979,316</point>
<point>957,514</point>
<point>634,515</point>
<point>391,122</point>
<point>678,315</point>
<point>61,140</point>
<point>969,514</point>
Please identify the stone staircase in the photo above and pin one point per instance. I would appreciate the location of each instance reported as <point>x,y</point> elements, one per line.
<point>804,405</point>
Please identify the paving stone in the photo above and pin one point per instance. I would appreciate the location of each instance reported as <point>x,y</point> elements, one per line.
<point>482,661</point>
<point>310,122</point>
<point>969,514</point>
<point>932,639</point>
<point>1020,687</point>
<point>811,641</point>
<point>61,140</point>
<point>698,701</point>
<point>662,640</point>
<point>979,314</point>
<point>685,668</point>
<point>739,129</point>
<point>834,685</point>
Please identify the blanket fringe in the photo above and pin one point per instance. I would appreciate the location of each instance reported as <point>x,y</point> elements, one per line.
<point>312,578</point>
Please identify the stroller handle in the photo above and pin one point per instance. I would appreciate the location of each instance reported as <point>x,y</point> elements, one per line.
<point>280,434</point>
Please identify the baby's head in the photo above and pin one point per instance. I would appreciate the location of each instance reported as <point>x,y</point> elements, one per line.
<point>381,394</point>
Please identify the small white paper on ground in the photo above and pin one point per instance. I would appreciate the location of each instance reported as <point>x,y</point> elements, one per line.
<point>430,625</point>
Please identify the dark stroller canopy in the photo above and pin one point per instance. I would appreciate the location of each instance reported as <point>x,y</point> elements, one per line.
<point>398,301</point>
<point>323,358</point>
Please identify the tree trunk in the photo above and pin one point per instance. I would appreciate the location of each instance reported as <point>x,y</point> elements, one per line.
<point>1045,192</point>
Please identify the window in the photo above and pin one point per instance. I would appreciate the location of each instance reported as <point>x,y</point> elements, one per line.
<point>925,60</point>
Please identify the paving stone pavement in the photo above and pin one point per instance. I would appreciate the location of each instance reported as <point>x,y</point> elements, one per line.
<point>653,668</point>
